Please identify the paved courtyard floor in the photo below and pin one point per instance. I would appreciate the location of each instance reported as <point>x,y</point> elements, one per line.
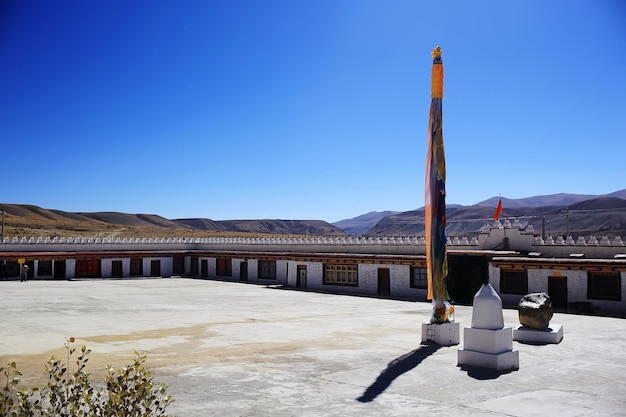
<point>233,349</point>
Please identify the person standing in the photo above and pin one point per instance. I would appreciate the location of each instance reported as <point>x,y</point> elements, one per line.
<point>24,275</point>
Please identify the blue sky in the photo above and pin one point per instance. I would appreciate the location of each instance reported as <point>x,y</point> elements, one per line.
<point>310,109</point>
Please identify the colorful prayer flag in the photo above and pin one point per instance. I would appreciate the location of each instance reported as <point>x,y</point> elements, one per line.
<point>435,207</point>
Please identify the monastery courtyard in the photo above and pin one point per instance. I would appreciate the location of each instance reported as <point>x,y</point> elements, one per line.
<point>235,349</point>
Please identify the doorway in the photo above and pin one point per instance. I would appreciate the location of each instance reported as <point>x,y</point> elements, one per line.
<point>59,269</point>
<point>384,281</point>
<point>116,269</point>
<point>155,268</point>
<point>557,290</point>
<point>466,274</point>
<point>243,271</point>
<point>301,277</point>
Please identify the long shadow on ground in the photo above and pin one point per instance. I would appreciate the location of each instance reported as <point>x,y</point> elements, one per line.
<point>396,368</point>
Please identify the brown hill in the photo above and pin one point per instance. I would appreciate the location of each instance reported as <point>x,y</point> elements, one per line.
<point>28,220</point>
<point>203,224</point>
<point>32,221</point>
<point>291,227</point>
<point>135,220</point>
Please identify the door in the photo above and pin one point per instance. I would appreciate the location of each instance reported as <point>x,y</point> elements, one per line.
<point>194,266</point>
<point>59,269</point>
<point>116,269</point>
<point>301,277</point>
<point>384,281</point>
<point>557,290</point>
<point>155,268</point>
<point>466,274</point>
<point>178,265</point>
<point>243,271</point>
<point>31,269</point>
<point>204,268</point>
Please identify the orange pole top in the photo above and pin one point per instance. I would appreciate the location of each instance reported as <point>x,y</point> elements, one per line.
<point>437,74</point>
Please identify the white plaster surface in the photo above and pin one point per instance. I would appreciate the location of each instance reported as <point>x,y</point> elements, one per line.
<point>488,341</point>
<point>445,334</point>
<point>553,334</point>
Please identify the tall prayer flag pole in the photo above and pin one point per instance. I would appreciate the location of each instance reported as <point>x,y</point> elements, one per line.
<point>435,207</point>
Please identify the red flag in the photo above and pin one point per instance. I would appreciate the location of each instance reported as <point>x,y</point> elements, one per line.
<point>498,210</point>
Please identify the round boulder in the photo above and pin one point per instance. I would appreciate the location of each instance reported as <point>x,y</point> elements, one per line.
<point>535,310</point>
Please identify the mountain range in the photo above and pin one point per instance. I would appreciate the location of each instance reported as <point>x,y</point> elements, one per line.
<point>554,214</point>
<point>599,213</point>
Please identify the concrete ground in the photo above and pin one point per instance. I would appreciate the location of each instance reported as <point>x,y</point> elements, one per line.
<point>233,349</point>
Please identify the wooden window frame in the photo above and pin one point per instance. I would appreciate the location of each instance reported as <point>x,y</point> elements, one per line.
<point>508,284</point>
<point>341,274</point>
<point>419,278</point>
<point>89,268</point>
<point>224,267</point>
<point>604,286</point>
<point>267,269</point>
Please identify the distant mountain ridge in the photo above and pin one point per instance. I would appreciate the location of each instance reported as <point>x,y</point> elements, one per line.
<point>599,215</point>
<point>363,222</point>
<point>561,199</point>
<point>465,219</point>
<point>294,227</point>
<point>558,213</point>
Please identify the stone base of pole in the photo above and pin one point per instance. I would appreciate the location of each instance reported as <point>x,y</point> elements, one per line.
<point>446,334</point>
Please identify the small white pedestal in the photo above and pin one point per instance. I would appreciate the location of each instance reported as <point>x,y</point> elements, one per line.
<point>446,334</point>
<point>485,348</point>
<point>553,334</point>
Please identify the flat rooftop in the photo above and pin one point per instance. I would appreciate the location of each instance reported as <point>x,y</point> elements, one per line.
<point>234,349</point>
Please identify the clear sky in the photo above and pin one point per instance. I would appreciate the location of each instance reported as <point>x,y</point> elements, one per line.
<point>305,109</point>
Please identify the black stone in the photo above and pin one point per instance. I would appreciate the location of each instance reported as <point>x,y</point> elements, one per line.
<point>535,310</point>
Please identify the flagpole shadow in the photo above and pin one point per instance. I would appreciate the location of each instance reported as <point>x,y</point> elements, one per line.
<point>396,368</point>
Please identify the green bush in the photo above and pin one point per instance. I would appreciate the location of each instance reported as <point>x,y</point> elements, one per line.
<point>127,392</point>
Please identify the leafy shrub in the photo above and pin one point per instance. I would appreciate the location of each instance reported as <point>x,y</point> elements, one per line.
<point>127,392</point>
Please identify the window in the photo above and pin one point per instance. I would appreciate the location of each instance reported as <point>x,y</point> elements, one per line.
<point>44,268</point>
<point>341,275</point>
<point>513,282</point>
<point>136,267</point>
<point>604,286</point>
<point>419,278</point>
<point>267,269</point>
<point>224,267</point>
